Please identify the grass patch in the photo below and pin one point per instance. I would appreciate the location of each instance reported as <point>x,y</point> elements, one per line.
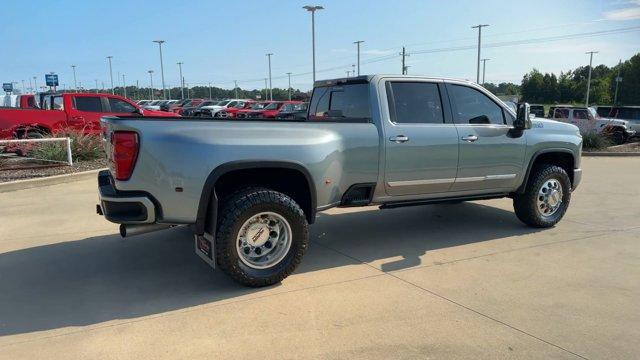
<point>594,141</point>
<point>83,147</point>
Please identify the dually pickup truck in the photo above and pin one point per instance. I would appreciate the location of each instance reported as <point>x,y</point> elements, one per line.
<point>249,188</point>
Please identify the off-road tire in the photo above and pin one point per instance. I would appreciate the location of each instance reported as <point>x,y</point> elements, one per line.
<point>525,204</point>
<point>617,136</point>
<point>234,211</point>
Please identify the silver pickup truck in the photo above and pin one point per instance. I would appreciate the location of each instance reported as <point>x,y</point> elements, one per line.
<point>249,188</point>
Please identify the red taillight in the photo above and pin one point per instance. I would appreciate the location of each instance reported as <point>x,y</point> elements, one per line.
<point>124,152</point>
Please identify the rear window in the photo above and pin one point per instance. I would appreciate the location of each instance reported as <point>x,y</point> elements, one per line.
<point>340,103</point>
<point>88,103</point>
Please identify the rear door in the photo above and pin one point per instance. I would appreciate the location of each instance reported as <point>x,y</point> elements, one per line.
<point>86,112</point>
<point>421,142</point>
<point>491,153</point>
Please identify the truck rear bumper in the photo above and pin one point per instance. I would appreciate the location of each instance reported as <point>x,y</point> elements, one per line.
<point>123,207</point>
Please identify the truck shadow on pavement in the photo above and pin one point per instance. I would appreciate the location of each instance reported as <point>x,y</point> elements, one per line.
<point>104,278</point>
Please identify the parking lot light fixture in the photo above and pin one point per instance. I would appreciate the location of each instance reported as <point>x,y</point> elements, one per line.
<point>210,91</point>
<point>289,88</point>
<point>181,80</point>
<point>270,88</point>
<point>312,9</point>
<point>235,87</point>
<point>75,84</point>
<point>151,83</point>
<point>35,84</point>
<point>358,57</point>
<point>96,85</point>
<point>590,53</point>
<point>484,68</point>
<point>124,85</point>
<point>479,27</point>
<point>111,74</point>
<point>160,42</point>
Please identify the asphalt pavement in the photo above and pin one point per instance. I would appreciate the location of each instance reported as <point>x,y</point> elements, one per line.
<point>440,281</point>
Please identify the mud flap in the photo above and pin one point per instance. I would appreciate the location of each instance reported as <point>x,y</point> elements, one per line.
<point>204,247</point>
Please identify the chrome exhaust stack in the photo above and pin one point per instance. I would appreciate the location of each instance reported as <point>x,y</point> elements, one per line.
<point>137,229</point>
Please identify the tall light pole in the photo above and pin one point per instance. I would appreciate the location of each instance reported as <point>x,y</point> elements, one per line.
<point>270,88</point>
<point>358,46</point>
<point>96,85</point>
<point>181,80</point>
<point>35,84</point>
<point>124,85</point>
<point>266,94</point>
<point>615,96</point>
<point>24,90</point>
<point>210,91</point>
<point>160,42</point>
<point>479,27</point>
<point>586,103</point>
<point>75,84</point>
<point>348,72</point>
<point>151,83</point>
<point>484,67</point>
<point>111,74</point>
<point>289,75</point>
<point>312,9</point>
<point>235,84</point>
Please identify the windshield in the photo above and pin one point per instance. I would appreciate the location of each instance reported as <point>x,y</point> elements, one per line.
<point>273,106</point>
<point>222,103</point>
<point>206,103</point>
<point>300,107</point>
<point>257,106</point>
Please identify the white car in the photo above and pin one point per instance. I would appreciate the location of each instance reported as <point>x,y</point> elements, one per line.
<point>212,110</point>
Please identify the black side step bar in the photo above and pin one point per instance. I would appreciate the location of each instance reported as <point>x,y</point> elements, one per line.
<point>393,205</point>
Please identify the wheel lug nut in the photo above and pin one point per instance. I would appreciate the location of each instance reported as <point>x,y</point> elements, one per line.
<point>267,244</point>
<point>258,251</point>
<point>273,234</point>
<point>247,250</point>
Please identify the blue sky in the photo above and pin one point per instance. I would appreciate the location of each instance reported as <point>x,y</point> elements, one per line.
<point>220,41</point>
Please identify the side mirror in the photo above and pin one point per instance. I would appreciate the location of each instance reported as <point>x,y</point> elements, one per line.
<point>138,111</point>
<point>523,118</point>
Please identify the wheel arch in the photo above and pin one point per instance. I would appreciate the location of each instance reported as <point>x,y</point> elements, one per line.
<point>208,205</point>
<point>562,157</point>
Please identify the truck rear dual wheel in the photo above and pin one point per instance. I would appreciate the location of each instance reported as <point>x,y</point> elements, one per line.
<point>546,197</point>
<point>261,238</point>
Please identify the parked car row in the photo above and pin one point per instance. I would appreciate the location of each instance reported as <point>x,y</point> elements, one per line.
<point>52,112</point>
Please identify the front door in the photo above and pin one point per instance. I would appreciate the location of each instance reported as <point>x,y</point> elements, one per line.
<point>491,152</point>
<point>421,147</point>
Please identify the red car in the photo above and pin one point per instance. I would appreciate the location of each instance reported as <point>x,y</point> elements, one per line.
<point>256,106</point>
<point>81,111</point>
<point>231,112</point>
<point>271,110</point>
<point>177,108</point>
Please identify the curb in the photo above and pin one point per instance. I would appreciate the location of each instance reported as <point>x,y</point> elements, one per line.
<point>609,153</point>
<point>47,181</point>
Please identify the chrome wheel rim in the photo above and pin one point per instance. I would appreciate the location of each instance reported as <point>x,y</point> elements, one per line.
<point>263,240</point>
<point>549,198</point>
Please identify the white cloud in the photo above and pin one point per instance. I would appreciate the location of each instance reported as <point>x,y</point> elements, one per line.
<point>630,13</point>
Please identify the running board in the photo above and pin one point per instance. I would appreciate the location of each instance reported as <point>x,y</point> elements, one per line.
<point>393,205</point>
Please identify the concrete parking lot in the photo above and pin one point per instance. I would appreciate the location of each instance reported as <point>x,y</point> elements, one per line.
<point>441,281</point>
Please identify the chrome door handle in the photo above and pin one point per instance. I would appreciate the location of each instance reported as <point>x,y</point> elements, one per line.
<point>470,138</point>
<point>399,139</point>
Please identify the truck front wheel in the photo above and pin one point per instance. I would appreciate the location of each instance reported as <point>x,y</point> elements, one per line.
<point>261,237</point>
<point>546,197</point>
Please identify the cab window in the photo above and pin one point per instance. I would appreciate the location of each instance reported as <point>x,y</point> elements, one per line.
<point>475,108</point>
<point>341,103</point>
